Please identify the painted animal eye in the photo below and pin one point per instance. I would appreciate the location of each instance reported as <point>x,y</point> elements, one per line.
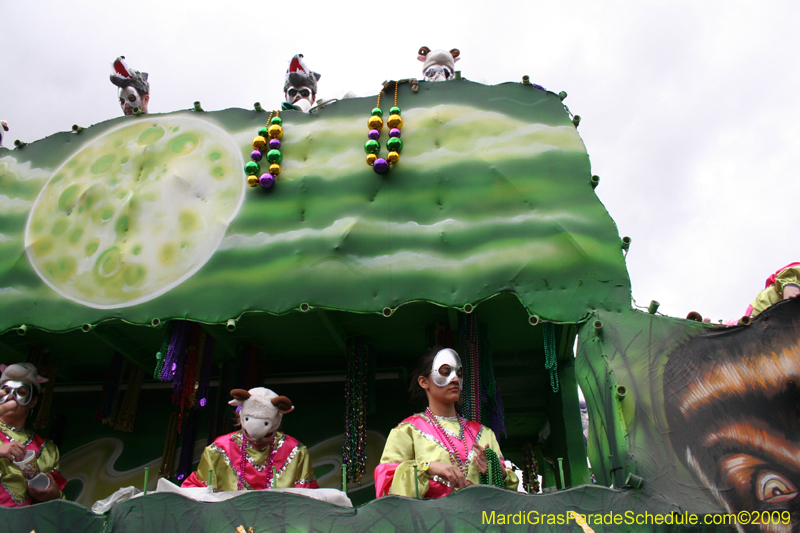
<point>447,73</point>
<point>305,93</point>
<point>772,487</point>
<point>247,419</point>
<point>430,72</point>
<point>266,424</point>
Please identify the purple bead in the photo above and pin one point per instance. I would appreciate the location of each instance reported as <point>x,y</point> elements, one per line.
<point>266,180</point>
<point>274,144</point>
<point>202,402</point>
<point>394,132</point>
<point>255,155</point>
<point>374,135</point>
<point>381,166</point>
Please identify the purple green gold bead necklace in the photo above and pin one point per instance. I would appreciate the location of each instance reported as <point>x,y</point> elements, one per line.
<point>273,131</point>
<point>394,144</point>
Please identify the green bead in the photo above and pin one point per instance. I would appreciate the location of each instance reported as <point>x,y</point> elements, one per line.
<point>262,132</point>
<point>274,156</point>
<point>394,111</point>
<point>276,120</point>
<point>372,146</point>
<point>377,112</point>
<point>394,144</point>
<point>252,168</point>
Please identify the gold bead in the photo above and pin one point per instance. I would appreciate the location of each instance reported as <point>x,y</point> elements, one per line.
<point>275,132</point>
<point>259,142</point>
<point>274,169</point>
<point>375,122</point>
<point>252,181</point>
<point>393,157</point>
<point>371,159</point>
<point>395,121</point>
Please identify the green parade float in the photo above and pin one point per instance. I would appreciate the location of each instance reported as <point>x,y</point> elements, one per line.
<point>120,239</point>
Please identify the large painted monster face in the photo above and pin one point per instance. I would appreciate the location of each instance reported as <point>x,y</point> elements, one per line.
<point>732,401</point>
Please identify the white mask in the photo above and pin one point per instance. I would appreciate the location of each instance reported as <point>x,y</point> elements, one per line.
<point>125,101</point>
<point>447,357</point>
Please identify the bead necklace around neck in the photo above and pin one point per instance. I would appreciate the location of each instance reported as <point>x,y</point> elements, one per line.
<point>445,440</point>
<point>268,474</point>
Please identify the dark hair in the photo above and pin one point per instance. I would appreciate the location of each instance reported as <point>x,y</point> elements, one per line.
<point>418,394</point>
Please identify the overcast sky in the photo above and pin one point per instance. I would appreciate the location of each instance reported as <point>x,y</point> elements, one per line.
<point>689,108</point>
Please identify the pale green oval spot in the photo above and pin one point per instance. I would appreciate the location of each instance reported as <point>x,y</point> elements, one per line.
<point>103,164</point>
<point>134,274</point>
<point>66,202</point>
<point>108,262</point>
<point>76,235</point>
<point>44,246</point>
<point>107,214</point>
<point>122,224</point>
<point>167,254</point>
<point>218,172</point>
<point>60,227</point>
<point>38,225</point>
<point>176,128</point>
<point>58,178</point>
<point>91,248</point>
<point>184,144</point>
<point>151,136</point>
<point>214,156</point>
<point>137,250</point>
<point>64,268</point>
<point>123,160</point>
<point>188,221</point>
<point>122,195</point>
<point>72,163</point>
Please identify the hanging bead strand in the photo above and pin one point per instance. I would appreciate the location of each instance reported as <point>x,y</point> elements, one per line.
<point>373,146</point>
<point>269,138</point>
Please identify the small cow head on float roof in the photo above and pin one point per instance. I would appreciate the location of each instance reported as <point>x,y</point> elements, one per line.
<point>261,411</point>
<point>438,65</point>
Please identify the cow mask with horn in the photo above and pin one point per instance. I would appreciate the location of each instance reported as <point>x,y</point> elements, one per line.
<point>261,411</point>
<point>438,65</point>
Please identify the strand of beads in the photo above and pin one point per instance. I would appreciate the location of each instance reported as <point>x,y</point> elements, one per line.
<point>494,472</point>
<point>268,137</point>
<point>269,472</point>
<point>444,439</point>
<point>394,144</point>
